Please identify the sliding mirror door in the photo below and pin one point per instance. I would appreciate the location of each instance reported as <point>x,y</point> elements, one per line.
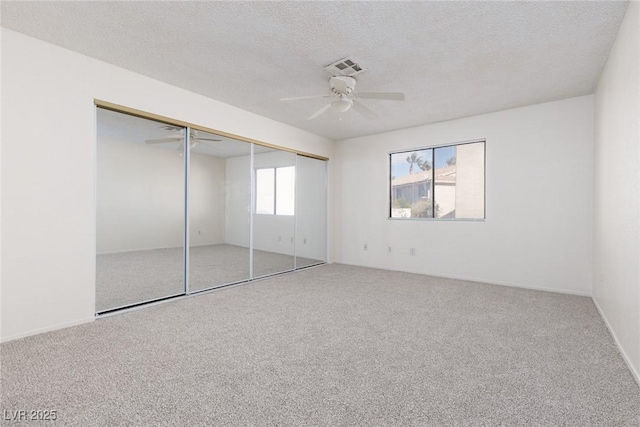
<point>311,210</point>
<point>219,211</point>
<point>171,221</point>
<point>274,211</point>
<point>140,210</point>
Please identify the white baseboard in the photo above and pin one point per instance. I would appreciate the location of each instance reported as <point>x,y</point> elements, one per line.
<point>126,251</point>
<point>475,279</point>
<point>625,357</point>
<point>47,329</point>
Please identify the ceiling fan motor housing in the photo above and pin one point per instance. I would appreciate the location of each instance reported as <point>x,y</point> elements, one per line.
<point>342,85</point>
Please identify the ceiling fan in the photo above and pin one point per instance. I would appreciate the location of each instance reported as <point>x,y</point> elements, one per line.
<point>178,136</point>
<point>344,97</point>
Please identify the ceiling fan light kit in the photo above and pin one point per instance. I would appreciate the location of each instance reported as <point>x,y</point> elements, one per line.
<point>343,104</point>
<point>343,94</point>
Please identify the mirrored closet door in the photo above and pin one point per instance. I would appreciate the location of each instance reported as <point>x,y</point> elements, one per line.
<point>242,210</point>
<point>219,211</point>
<point>311,211</point>
<point>274,211</point>
<point>139,210</point>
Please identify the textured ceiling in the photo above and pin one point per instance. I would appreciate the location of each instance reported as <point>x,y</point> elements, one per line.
<point>452,59</point>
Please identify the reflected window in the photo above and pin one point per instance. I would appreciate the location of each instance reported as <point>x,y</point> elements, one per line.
<point>438,183</point>
<point>275,191</point>
<point>265,191</point>
<point>285,190</point>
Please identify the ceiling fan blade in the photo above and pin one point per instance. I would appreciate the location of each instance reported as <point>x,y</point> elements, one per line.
<point>172,128</point>
<point>363,109</point>
<point>320,111</point>
<point>388,96</point>
<point>162,140</point>
<point>305,97</point>
<point>194,136</point>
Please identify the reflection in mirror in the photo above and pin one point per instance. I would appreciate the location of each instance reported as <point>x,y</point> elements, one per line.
<point>274,215</point>
<point>311,208</point>
<point>140,210</point>
<point>219,206</point>
<point>411,184</point>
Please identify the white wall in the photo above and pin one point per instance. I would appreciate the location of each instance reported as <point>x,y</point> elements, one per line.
<point>616,268</point>
<point>49,167</point>
<point>207,207</point>
<point>238,200</point>
<point>2,133</point>
<point>539,182</point>
<point>311,218</point>
<point>276,233</point>
<point>272,233</point>
<point>140,197</point>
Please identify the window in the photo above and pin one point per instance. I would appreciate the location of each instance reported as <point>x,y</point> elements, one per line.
<point>265,191</point>
<point>438,183</point>
<point>275,191</point>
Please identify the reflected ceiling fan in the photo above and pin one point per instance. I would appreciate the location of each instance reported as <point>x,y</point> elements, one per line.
<point>344,96</point>
<point>178,136</point>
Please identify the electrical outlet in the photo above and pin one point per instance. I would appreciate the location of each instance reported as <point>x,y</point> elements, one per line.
<point>304,240</point>
<point>412,251</point>
<point>366,247</point>
<point>389,249</point>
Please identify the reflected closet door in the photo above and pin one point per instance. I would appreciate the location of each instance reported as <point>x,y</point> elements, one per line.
<point>219,211</point>
<point>140,210</point>
<point>311,211</point>
<point>274,211</point>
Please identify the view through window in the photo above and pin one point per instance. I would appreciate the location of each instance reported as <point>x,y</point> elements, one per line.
<point>275,191</point>
<point>439,183</point>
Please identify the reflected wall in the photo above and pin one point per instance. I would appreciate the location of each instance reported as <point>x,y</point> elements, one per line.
<point>274,211</point>
<point>139,211</point>
<point>219,199</point>
<point>311,211</point>
<point>242,210</point>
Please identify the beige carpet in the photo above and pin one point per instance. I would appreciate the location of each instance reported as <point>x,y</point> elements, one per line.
<point>132,277</point>
<point>333,345</point>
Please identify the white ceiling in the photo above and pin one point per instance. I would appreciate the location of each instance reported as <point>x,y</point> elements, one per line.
<point>452,59</point>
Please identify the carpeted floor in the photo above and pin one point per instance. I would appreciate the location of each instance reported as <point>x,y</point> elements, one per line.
<point>132,277</point>
<point>333,345</point>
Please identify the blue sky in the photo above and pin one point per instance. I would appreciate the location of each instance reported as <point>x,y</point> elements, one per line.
<point>400,166</point>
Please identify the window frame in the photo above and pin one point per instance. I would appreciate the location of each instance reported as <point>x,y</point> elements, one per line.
<point>433,151</point>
